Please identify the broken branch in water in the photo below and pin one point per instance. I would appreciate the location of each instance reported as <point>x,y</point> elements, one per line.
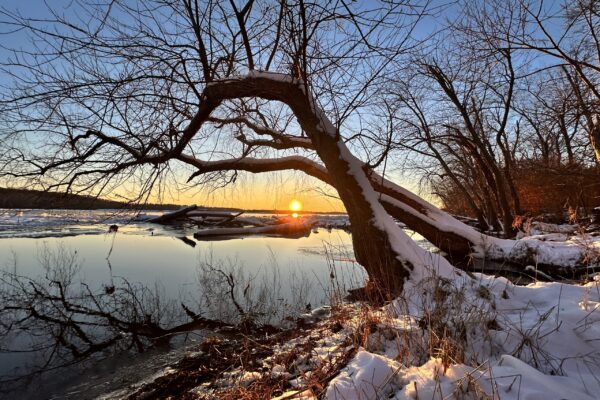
<point>169,217</point>
<point>291,229</point>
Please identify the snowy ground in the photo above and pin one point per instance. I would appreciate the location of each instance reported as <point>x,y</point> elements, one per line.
<point>451,335</point>
<point>565,245</point>
<point>490,339</point>
<point>465,338</point>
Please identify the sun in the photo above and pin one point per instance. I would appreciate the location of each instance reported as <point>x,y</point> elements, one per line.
<point>295,205</point>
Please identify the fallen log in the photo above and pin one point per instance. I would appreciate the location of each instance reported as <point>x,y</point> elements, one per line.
<point>227,219</point>
<point>292,229</point>
<point>168,217</point>
<point>254,221</point>
<point>187,241</point>
<point>213,213</point>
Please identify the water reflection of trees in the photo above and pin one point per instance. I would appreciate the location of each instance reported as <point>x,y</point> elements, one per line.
<point>60,320</point>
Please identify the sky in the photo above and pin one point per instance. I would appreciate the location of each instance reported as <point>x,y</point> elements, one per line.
<point>264,191</point>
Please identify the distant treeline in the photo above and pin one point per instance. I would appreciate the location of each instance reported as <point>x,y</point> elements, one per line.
<point>21,198</point>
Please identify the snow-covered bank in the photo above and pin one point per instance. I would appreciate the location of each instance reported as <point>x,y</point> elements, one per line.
<point>481,338</point>
<point>465,338</point>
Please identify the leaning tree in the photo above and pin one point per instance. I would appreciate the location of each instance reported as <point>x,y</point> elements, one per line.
<point>114,92</point>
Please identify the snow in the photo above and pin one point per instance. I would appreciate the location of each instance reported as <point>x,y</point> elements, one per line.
<point>559,360</point>
<point>532,384</point>
<point>575,251</point>
<point>316,314</point>
<point>366,377</point>
<point>544,343</point>
<point>405,248</point>
<point>509,379</point>
<point>540,228</point>
<point>40,223</point>
<point>428,381</point>
<point>556,248</point>
<point>460,338</point>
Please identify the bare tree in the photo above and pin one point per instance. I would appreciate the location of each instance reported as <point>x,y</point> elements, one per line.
<point>134,90</point>
<point>462,112</point>
<point>552,116</point>
<point>562,35</point>
<point>147,93</point>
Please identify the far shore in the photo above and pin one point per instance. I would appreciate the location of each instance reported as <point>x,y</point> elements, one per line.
<point>25,199</point>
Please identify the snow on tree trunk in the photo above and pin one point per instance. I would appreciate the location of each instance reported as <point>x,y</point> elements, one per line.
<point>459,239</point>
<point>389,256</point>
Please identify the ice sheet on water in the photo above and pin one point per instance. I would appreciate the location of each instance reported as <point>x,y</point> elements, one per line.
<point>39,223</point>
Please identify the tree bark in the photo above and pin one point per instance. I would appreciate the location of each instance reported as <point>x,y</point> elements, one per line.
<point>381,247</point>
<point>389,256</point>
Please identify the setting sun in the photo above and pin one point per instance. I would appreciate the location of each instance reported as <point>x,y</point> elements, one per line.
<point>295,205</point>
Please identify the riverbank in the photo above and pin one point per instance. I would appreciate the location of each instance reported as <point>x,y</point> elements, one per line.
<point>466,337</point>
<point>469,338</point>
<point>38,199</point>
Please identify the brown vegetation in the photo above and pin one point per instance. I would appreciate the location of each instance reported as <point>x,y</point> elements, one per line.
<point>542,189</point>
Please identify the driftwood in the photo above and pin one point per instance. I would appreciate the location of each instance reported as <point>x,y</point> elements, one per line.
<point>187,241</point>
<point>168,217</point>
<point>211,213</point>
<point>227,219</point>
<point>224,224</point>
<point>199,216</point>
<point>253,221</point>
<point>292,229</point>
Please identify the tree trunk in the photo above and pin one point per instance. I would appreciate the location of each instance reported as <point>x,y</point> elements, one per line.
<point>594,134</point>
<point>388,255</point>
<point>452,236</point>
<point>370,225</point>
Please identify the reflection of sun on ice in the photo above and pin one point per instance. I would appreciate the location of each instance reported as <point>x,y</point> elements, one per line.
<point>295,206</point>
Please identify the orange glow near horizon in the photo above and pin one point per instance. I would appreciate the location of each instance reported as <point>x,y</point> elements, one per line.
<point>295,205</point>
<point>268,192</point>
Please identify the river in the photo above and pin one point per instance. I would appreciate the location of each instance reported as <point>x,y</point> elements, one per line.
<point>297,274</point>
